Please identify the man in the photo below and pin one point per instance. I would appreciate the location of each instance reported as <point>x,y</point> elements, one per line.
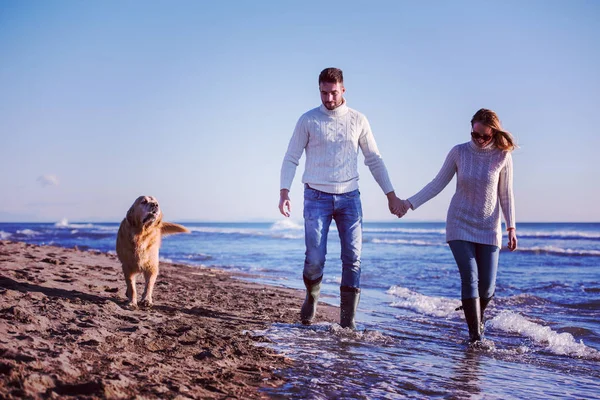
<point>331,135</point>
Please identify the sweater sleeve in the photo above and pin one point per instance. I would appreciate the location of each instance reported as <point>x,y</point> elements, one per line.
<point>295,149</point>
<point>373,158</point>
<point>505,193</point>
<point>438,183</point>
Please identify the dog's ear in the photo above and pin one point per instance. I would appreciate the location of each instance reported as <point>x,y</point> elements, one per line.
<point>131,216</point>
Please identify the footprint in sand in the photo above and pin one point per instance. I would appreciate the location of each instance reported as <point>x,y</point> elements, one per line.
<point>127,318</point>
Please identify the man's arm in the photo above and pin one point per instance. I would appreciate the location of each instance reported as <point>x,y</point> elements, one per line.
<point>373,158</point>
<point>291,160</point>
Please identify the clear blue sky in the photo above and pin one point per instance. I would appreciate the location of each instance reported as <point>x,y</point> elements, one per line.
<point>194,102</point>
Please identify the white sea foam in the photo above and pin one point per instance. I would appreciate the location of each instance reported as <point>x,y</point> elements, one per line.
<point>227,231</point>
<point>405,230</point>
<point>286,225</point>
<point>559,251</point>
<point>4,235</point>
<point>429,305</point>
<point>557,343</point>
<point>560,234</point>
<point>273,233</point>
<point>289,236</point>
<point>407,242</point>
<point>27,232</point>
<point>64,223</point>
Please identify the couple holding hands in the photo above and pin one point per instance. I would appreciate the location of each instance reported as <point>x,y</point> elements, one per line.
<point>331,136</point>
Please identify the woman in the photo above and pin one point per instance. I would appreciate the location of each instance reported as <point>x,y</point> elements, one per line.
<point>473,230</point>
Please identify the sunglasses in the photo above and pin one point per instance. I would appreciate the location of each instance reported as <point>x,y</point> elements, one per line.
<point>477,136</point>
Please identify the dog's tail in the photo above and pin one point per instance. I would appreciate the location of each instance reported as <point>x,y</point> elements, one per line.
<point>169,228</point>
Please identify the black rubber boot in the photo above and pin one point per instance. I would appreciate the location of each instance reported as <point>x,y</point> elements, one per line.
<point>309,308</point>
<point>483,304</point>
<point>349,298</point>
<point>472,309</point>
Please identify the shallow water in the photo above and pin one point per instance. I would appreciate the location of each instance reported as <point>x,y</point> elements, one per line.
<point>542,328</point>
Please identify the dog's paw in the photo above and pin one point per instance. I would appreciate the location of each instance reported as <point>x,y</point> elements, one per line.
<point>146,303</point>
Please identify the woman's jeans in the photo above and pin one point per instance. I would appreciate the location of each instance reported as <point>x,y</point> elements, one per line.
<point>478,265</point>
<point>346,210</point>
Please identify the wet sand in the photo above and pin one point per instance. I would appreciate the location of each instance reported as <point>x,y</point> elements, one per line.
<point>65,330</point>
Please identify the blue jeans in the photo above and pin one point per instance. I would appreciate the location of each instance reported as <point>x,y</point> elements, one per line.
<point>346,210</point>
<point>478,265</point>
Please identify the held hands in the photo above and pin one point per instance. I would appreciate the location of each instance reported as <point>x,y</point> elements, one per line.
<point>397,206</point>
<point>512,239</point>
<point>285,204</point>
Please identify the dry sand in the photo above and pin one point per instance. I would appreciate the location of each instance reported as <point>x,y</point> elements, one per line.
<point>65,331</point>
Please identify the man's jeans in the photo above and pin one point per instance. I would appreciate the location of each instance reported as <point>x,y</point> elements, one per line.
<point>478,265</point>
<point>346,210</point>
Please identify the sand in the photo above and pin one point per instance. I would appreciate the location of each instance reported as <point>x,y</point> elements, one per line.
<point>65,330</point>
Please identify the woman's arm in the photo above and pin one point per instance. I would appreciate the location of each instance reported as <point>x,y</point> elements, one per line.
<point>438,183</point>
<point>507,201</point>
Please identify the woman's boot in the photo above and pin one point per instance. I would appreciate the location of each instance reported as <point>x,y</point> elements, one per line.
<point>472,309</point>
<point>349,298</point>
<point>309,308</point>
<point>484,303</point>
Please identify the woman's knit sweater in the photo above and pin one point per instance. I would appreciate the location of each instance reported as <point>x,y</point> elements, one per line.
<point>484,186</point>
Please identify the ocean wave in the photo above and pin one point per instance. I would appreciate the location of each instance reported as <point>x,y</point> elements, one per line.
<point>286,225</point>
<point>288,236</point>
<point>405,230</point>
<point>64,223</point>
<point>557,251</point>
<point>272,233</point>
<point>521,300</point>
<point>92,234</point>
<point>565,235</point>
<point>407,242</point>
<point>199,257</point>
<point>27,232</point>
<point>554,342</point>
<point>429,305</point>
<point>587,305</point>
<point>5,235</point>
<point>225,231</point>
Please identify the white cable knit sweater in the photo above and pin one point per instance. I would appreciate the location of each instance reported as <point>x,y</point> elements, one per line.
<point>484,185</point>
<point>331,139</point>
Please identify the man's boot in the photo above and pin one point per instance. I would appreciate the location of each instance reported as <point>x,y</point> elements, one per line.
<point>309,308</point>
<point>484,303</point>
<point>349,298</point>
<point>472,309</point>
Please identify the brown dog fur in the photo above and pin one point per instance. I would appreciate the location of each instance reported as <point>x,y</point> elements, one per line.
<point>138,242</point>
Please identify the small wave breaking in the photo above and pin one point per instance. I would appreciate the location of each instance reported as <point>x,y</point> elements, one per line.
<point>420,303</point>
<point>407,242</point>
<point>554,342</point>
<point>557,251</point>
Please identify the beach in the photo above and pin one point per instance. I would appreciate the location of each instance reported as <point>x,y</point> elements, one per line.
<point>224,323</point>
<point>65,329</point>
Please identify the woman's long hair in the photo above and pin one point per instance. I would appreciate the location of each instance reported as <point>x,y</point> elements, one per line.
<point>502,139</point>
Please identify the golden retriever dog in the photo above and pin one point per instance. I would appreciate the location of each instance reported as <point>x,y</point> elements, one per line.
<point>138,241</point>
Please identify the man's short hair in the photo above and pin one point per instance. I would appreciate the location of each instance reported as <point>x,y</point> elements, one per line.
<point>331,75</point>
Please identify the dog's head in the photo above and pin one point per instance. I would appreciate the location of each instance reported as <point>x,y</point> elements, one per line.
<point>144,212</point>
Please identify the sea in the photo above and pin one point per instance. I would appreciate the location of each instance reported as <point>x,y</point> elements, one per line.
<point>542,330</point>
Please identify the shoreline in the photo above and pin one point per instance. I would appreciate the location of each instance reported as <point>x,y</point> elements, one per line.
<point>65,331</point>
